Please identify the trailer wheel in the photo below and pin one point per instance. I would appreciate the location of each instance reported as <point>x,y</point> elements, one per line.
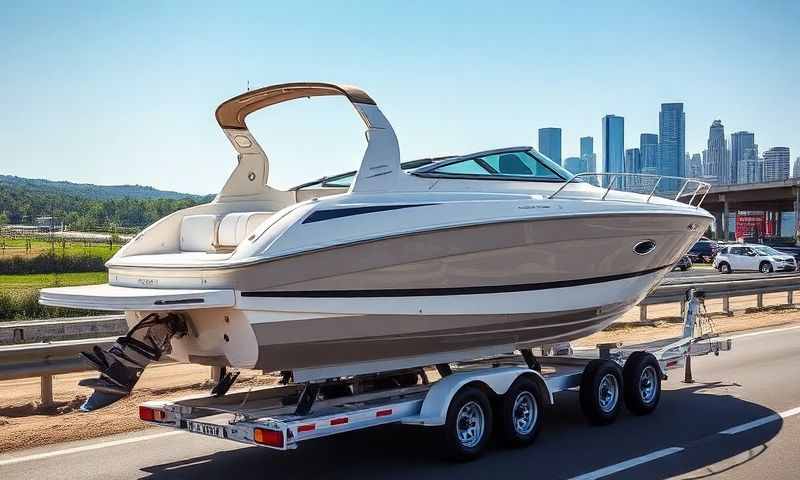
<point>468,426</point>
<point>642,379</point>
<point>521,414</point>
<point>600,391</point>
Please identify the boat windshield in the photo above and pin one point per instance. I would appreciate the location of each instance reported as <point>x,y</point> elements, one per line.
<point>513,165</point>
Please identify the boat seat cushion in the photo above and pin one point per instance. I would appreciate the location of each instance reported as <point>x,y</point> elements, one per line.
<point>235,227</point>
<point>197,233</point>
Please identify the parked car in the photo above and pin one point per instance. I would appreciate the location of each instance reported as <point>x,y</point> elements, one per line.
<point>703,251</point>
<point>685,263</point>
<point>753,257</point>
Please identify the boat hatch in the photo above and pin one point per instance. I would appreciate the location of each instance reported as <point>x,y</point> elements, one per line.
<point>115,298</point>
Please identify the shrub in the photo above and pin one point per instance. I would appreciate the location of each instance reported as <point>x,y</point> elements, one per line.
<point>51,262</point>
<point>22,304</point>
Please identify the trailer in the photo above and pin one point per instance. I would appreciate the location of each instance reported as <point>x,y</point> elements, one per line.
<point>467,401</point>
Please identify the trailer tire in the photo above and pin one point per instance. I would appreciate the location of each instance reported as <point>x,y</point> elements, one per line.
<point>521,413</point>
<point>641,377</point>
<point>601,391</point>
<point>469,425</point>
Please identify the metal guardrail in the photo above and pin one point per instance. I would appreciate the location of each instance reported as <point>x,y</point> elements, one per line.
<point>47,359</point>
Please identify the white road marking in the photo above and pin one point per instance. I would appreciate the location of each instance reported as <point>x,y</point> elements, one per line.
<point>85,448</point>
<point>761,421</point>
<point>633,462</point>
<point>764,332</point>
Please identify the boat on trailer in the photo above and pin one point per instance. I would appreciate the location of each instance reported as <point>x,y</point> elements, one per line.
<point>444,260</point>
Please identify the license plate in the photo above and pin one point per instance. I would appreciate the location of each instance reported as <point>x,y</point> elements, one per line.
<point>207,429</point>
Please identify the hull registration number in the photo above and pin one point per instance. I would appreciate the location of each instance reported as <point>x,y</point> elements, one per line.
<point>207,429</point>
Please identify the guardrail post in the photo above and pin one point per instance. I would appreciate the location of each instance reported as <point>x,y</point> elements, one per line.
<point>760,300</point>
<point>642,313</point>
<point>790,297</point>
<point>47,390</point>
<point>726,305</point>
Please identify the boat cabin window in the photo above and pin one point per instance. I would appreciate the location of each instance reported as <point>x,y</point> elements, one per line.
<point>518,165</point>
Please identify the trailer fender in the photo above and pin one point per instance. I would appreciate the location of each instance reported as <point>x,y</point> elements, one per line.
<point>498,380</point>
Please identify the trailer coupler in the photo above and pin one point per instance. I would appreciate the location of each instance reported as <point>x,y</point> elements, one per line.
<point>122,364</point>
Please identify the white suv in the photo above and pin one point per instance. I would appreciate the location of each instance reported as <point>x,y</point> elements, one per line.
<point>753,257</point>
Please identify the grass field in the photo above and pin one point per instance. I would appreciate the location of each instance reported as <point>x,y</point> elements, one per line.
<point>16,246</point>
<point>42,280</point>
<point>19,294</point>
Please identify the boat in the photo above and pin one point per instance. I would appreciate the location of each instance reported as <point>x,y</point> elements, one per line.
<point>416,263</point>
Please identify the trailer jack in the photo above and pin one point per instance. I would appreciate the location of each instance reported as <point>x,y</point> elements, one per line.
<point>122,364</point>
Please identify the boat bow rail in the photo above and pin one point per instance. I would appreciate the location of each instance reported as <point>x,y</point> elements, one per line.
<point>116,298</point>
<point>688,186</point>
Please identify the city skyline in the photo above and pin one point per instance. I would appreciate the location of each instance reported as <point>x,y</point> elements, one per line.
<point>722,161</point>
<point>147,116</point>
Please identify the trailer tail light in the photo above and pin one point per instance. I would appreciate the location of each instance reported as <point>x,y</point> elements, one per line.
<point>151,414</point>
<point>271,438</point>
<point>309,427</point>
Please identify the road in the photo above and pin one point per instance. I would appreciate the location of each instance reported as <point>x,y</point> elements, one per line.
<point>705,273</point>
<point>685,438</point>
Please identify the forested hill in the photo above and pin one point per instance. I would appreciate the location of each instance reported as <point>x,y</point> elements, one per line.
<point>88,190</point>
<point>88,207</point>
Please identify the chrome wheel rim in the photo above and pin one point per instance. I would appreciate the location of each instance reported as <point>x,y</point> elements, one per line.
<point>525,413</point>
<point>765,268</point>
<point>647,384</point>
<point>470,424</point>
<point>608,393</point>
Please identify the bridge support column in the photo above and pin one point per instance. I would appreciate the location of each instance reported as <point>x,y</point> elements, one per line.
<point>725,217</point>
<point>796,192</point>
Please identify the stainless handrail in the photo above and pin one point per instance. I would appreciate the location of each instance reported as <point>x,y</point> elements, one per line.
<point>703,187</point>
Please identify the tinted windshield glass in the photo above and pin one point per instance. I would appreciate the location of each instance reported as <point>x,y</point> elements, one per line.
<point>764,250</point>
<point>508,164</point>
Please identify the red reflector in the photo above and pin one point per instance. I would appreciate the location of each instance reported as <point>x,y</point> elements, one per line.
<point>272,438</point>
<point>306,428</point>
<point>339,421</point>
<point>383,413</point>
<point>147,414</point>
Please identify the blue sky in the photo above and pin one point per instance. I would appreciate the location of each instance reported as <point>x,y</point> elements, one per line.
<point>124,92</point>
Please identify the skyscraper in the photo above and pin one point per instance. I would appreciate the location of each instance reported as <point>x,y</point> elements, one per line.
<point>796,171</point>
<point>776,164</point>
<point>716,160</point>
<point>587,154</point>
<point>672,138</point>
<point>648,148</point>
<point>575,164</point>
<point>550,143</point>
<point>695,166</point>
<point>740,143</point>
<point>633,160</point>
<point>751,168</point>
<point>613,143</point>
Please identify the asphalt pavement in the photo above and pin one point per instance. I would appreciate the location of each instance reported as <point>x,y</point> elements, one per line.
<point>728,424</point>
<point>704,273</point>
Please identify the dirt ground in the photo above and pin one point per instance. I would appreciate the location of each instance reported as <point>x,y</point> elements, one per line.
<point>25,423</point>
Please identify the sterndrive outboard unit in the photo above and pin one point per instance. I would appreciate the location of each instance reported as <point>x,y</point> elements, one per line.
<point>122,364</point>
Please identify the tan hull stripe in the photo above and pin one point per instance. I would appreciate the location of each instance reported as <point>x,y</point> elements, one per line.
<point>430,292</point>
